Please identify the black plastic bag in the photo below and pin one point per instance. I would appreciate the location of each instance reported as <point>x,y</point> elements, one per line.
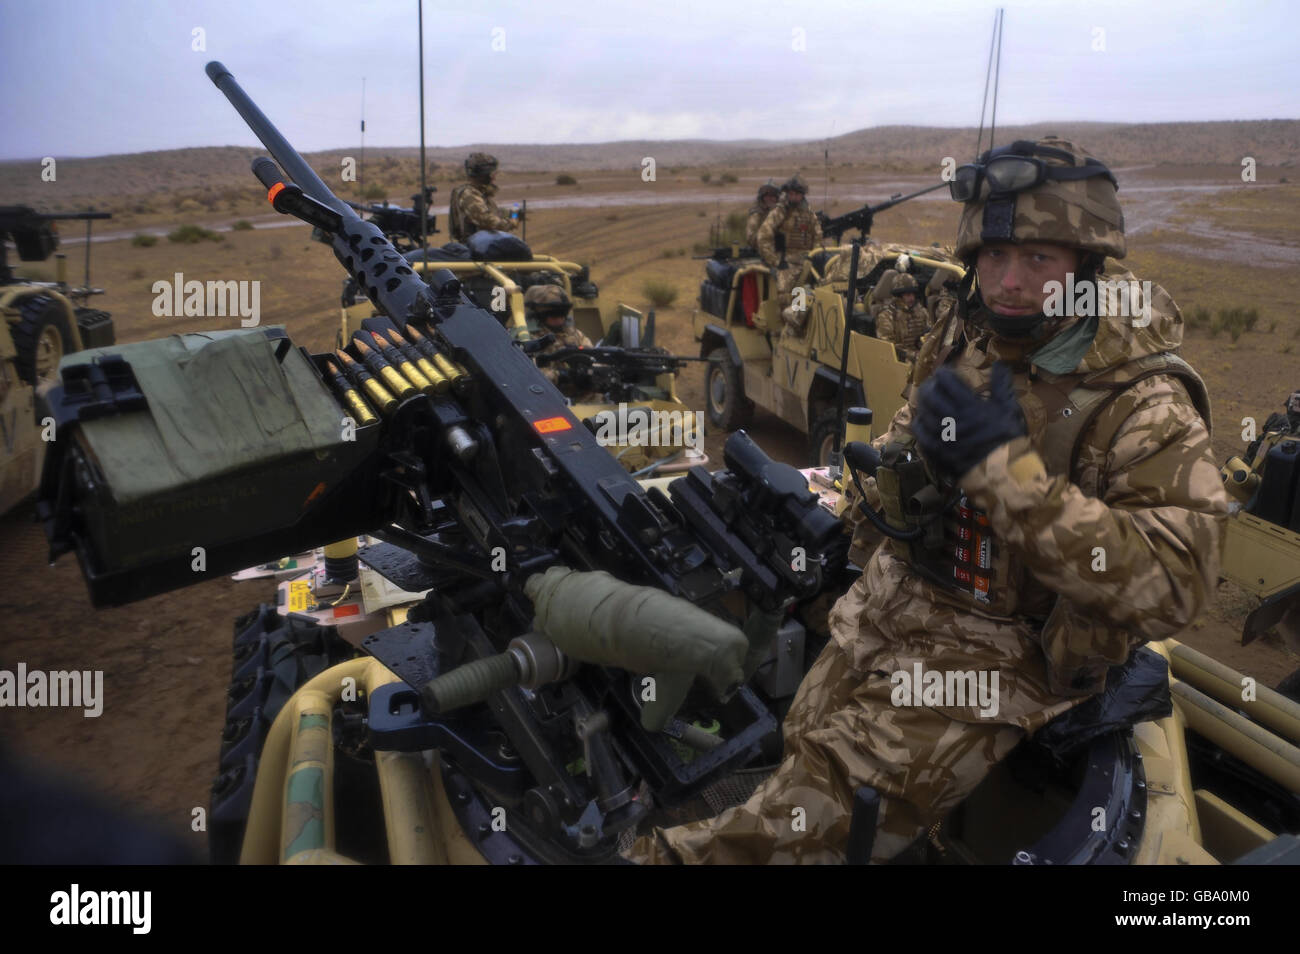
<point>1137,691</point>
<point>489,246</point>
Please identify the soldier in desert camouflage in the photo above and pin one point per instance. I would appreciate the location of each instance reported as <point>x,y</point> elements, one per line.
<point>1287,421</point>
<point>941,296</point>
<point>1050,474</point>
<point>548,307</point>
<point>903,320</point>
<point>768,196</point>
<point>471,206</point>
<point>801,233</point>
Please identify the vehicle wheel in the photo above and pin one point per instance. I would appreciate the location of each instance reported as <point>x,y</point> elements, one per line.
<point>821,438</point>
<point>41,337</point>
<point>273,657</point>
<point>724,395</point>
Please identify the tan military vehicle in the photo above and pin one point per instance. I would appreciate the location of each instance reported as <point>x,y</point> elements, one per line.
<point>1261,551</point>
<point>640,379</point>
<point>738,324</point>
<point>42,321</point>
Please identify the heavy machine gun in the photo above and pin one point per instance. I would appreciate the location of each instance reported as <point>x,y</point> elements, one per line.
<point>36,237</point>
<point>569,610</point>
<point>402,225</point>
<point>616,372</point>
<point>862,219</point>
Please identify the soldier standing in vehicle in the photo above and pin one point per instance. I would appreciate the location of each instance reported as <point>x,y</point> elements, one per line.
<point>787,235</point>
<point>471,205</point>
<point>941,296</point>
<point>548,307</point>
<point>1088,520</point>
<point>903,320</point>
<point>768,196</point>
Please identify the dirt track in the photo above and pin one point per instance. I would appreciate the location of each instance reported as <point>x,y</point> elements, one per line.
<point>166,660</point>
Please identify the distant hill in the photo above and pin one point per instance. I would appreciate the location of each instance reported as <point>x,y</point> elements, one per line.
<point>214,175</point>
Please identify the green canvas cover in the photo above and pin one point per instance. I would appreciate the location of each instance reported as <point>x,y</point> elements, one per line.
<point>219,402</point>
<point>232,445</point>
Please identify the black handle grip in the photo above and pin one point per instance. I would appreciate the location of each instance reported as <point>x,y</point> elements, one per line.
<point>862,457</point>
<point>267,172</point>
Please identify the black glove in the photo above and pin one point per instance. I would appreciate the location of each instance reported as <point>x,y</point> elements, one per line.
<point>979,425</point>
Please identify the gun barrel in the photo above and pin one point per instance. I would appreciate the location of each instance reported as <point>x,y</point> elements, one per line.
<point>294,165</point>
<point>890,203</point>
<point>77,216</point>
<point>383,276</point>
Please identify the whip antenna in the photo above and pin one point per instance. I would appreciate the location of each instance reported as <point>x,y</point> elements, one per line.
<point>424,191</point>
<point>361,169</point>
<point>997,75</point>
<point>988,73</point>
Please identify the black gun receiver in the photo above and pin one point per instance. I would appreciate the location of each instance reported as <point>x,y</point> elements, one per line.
<point>402,225</point>
<point>862,219</point>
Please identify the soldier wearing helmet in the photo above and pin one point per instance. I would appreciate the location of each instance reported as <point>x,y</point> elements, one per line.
<point>1286,422</point>
<point>547,308</point>
<point>1084,515</point>
<point>768,196</point>
<point>904,319</point>
<point>941,296</point>
<point>471,205</point>
<point>787,235</point>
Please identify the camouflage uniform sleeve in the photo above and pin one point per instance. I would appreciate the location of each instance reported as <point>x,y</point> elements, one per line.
<point>886,323</point>
<point>767,236</point>
<point>478,213</point>
<point>752,225</point>
<point>1140,560</point>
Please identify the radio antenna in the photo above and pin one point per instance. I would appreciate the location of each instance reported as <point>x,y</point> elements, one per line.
<point>995,42</point>
<point>997,75</point>
<point>424,192</point>
<point>361,169</point>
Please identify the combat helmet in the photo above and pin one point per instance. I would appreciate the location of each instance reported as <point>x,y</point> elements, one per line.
<point>480,165</point>
<point>903,284</point>
<point>1045,191</point>
<point>767,189</point>
<point>796,184</point>
<point>547,302</point>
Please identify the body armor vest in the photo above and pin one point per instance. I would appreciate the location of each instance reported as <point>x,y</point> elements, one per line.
<point>958,550</point>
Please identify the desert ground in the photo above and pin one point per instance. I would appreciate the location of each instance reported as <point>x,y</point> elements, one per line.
<point>1214,241</point>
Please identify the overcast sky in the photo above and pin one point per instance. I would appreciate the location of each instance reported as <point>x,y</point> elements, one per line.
<point>95,77</point>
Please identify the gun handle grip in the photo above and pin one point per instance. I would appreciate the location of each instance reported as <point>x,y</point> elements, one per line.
<point>670,693</point>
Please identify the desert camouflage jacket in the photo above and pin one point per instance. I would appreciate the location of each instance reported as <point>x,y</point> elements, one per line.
<point>902,325</point>
<point>472,209</point>
<point>1121,549</point>
<point>755,221</point>
<point>800,227</point>
<point>942,308</point>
